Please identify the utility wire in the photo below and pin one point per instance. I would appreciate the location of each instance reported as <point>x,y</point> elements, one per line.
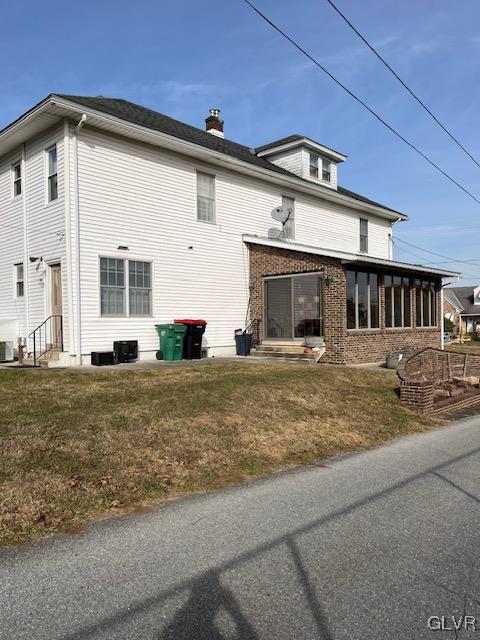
<point>404,84</point>
<point>359,100</point>
<point>434,253</point>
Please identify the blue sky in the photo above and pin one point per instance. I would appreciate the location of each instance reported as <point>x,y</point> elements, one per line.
<point>182,58</point>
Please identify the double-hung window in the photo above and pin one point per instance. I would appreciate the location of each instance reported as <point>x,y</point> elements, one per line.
<point>17,178</point>
<point>362,300</point>
<point>288,204</point>
<point>326,171</point>
<point>426,303</point>
<point>52,174</point>
<point>205,197</point>
<point>397,301</point>
<point>139,288</point>
<point>363,235</point>
<point>116,288</point>
<point>19,280</point>
<point>313,165</point>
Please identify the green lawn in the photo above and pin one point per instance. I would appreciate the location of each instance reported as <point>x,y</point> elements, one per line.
<point>75,446</point>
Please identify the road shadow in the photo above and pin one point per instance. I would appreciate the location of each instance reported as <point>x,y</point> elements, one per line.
<point>196,619</point>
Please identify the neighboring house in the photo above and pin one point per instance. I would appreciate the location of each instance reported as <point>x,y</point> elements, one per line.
<point>114,218</point>
<point>462,307</point>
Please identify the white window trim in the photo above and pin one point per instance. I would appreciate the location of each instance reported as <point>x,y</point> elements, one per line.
<point>17,163</point>
<point>211,175</point>
<point>361,235</point>
<point>126,260</point>
<point>16,280</point>
<point>47,175</point>
<point>435,303</point>
<point>319,166</point>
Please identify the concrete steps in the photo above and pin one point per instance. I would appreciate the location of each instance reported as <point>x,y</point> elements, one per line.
<point>287,350</point>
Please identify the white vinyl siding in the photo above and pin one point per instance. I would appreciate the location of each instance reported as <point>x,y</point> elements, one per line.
<point>17,179</point>
<point>52,174</point>
<point>289,226</point>
<point>112,287</point>
<point>145,198</point>
<point>205,197</point>
<point>19,281</point>
<point>139,288</point>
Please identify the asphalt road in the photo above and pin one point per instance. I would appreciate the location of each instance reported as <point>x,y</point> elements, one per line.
<point>368,547</point>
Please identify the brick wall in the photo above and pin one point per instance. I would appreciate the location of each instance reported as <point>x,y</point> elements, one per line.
<point>375,344</point>
<point>270,261</point>
<point>342,346</point>
<point>417,395</point>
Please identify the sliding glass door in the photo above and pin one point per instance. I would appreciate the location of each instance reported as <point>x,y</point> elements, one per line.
<point>293,307</point>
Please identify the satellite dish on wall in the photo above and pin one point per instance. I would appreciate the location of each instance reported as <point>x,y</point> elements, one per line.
<point>281,214</point>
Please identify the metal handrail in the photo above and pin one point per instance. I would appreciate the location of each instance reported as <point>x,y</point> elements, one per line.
<point>48,336</point>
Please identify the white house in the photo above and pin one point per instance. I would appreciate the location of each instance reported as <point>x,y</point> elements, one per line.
<point>114,218</point>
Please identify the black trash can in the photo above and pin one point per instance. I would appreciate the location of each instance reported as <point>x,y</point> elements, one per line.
<point>192,344</point>
<point>244,343</point>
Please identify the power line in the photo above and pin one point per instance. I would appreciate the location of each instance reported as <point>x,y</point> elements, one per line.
<point>404,84</point>
<point>434,253</point>
<point>359,100</point>
<point>463,276</point>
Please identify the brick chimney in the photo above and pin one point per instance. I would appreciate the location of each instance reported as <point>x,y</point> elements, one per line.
<point>213,124</point>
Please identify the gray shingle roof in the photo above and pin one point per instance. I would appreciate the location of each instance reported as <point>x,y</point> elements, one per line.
<point>156,121</point>
<point>464,296</point>
<point>293,138</point>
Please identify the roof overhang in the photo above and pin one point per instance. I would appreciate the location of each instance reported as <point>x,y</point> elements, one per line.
<point>357,259</point>
<point>54,109</point>
<point>303,142</point>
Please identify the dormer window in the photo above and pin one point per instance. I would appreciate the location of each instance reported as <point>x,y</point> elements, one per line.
<point>326,170</point>
<point>315,162</point>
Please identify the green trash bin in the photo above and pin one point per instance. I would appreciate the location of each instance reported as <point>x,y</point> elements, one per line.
<point>171,341</point>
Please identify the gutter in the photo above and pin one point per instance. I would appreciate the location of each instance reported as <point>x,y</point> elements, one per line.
<point>191,149</point>
<point>344,256</point>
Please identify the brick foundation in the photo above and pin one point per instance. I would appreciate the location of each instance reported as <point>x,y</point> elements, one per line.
<point>342,346</point>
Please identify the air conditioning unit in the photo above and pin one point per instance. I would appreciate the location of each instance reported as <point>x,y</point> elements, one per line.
<point>126,350</point>
<point>6,352</point>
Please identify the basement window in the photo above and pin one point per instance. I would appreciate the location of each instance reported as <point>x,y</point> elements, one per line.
<point>362,300</point>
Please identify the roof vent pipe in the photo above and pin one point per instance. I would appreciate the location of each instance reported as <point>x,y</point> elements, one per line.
<point>213,124</point>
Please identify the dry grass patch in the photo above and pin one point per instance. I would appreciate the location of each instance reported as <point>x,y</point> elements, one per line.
<point>77,446</point>
<point>467,347</point>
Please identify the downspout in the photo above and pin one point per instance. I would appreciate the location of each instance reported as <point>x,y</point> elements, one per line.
<point>68,233</point>
<point>78,314</point>
<point>26,261</point>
